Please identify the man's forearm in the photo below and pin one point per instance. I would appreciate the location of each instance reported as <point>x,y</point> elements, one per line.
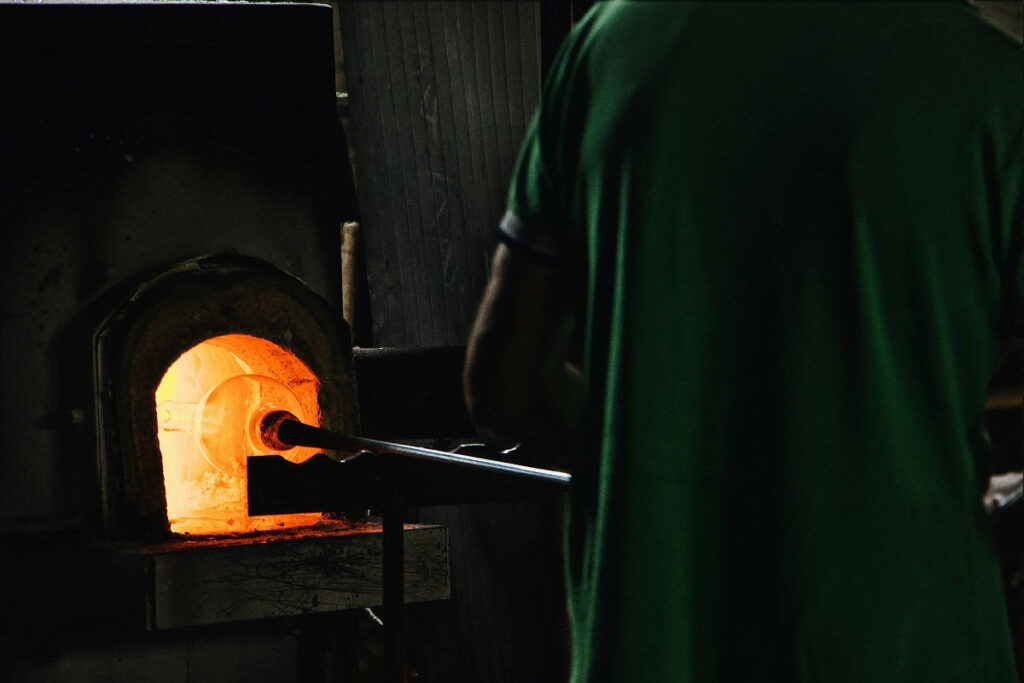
<point>516,380</point>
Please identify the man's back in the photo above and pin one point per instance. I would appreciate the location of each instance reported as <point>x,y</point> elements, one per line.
<point>799,232</point>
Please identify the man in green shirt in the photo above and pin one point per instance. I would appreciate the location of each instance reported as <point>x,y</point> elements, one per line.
<point>789,237</point>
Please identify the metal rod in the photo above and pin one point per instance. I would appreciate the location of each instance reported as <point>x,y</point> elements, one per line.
<point>287,430</point>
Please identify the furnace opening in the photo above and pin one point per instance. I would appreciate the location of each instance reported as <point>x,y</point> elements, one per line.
<point>209,406</point>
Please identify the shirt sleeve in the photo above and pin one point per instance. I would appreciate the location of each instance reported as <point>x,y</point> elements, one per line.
<point>537,216</point>
<point>533,212</point>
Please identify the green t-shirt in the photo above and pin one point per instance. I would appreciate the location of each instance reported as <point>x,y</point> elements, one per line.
<point>796,231</point>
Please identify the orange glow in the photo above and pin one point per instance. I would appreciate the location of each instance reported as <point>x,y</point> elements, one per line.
<point>209,405</point>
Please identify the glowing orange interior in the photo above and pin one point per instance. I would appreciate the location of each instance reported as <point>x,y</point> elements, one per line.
<point>208,407</point>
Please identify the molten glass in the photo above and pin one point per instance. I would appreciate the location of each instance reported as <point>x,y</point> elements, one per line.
<point>226,422</point>
<point>209,407</point>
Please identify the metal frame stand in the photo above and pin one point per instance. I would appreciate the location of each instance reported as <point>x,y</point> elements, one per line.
<point>393,588</point>
<point>388,477</point>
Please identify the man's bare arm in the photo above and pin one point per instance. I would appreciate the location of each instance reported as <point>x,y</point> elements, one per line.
<point>516,380</point>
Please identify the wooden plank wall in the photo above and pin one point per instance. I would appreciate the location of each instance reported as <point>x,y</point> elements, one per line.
<point>440,94</point>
